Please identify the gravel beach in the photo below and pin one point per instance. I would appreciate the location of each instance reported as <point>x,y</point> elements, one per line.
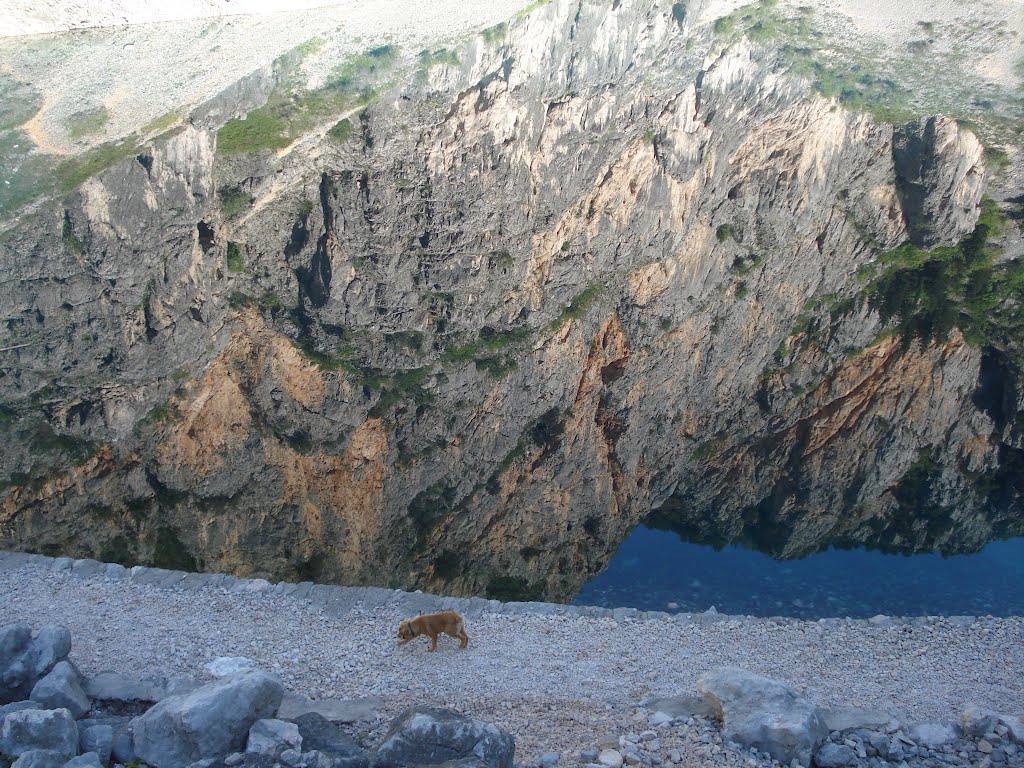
<point>557,681</point>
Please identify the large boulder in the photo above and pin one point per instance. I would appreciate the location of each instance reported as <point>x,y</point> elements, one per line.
<point>87,760</point>
<point>320,734</point>
<point>212,721</point>
<point>430,736</point>
<point>29,729</point>
<point>762,713</point>
<point>96,737</point>
<point>17,706</point>
<point>25,659</point>
<point>40,758</point>
<point>62,687</point>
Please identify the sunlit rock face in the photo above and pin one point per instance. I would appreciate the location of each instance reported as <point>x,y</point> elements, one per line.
<point>593,264</point>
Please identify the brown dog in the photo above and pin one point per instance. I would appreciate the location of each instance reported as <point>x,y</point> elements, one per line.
<point>432,625</point>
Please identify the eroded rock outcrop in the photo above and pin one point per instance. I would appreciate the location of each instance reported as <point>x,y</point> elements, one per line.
<point>554,287</point>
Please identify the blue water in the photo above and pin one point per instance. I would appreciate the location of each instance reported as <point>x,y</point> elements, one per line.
<point>655,570</point>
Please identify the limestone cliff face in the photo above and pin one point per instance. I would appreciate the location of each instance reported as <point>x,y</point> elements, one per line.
<point>587,273</point>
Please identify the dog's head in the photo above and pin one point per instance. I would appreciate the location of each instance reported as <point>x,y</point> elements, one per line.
<point>405,630</point>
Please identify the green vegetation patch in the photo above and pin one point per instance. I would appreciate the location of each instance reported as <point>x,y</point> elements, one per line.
<point>292,111</point>
<point>262,128</point>
<point>342,131</point>
<point>236,262</point>
<point>88,122</point>
<point>439,56</point>
<point>160,124</point>
<point>495,34</point>
<point>233,201</point>
<point>579,305</point>
<point>71,173</point>
<point>854,86</point>
<point>928,293</point>
<point>530,9</point>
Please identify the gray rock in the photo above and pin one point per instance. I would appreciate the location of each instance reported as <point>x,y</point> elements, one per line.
<point>549,759</point>
<point>762,713</point>
<point>235,758</point>
<point>1014,727</point>
<point>335,710</point>
<point>123,747</point>
<point>40,758</point>
<point>291,757</point>
<point>976,721</point>
<point>98,738</point>
<point>939,176</point>
<point>87,760</point>
<point>426,735</point>
<point>589,755</point>
<point>844,718</point>
<point>659,718</point>
<point>24,659</point>
<point>18,706</point>
<point>29,729</point>
<point>62,688</point>
<point>934,735</point>
<point>894,751</point>
<point>209,722</point>
<point>111,686</point>
<point>835,756</point>
<point>320,734</point>
<point>273,736</point>
<point>610,758</point>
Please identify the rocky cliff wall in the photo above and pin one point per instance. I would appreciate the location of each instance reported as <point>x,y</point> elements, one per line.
<point>597,264</point>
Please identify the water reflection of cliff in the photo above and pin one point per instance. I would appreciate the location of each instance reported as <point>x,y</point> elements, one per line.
<point>465,334</point>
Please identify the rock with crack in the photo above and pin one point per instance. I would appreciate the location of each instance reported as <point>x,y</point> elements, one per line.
<point>24,659</point>
<point>763,713</point>
<point>62,687</point>
<point>112,686</point>
<point>36,729</point>
<point>212,721</point>
<point>429,736</point>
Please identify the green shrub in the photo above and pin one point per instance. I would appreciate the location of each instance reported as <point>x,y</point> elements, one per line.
<point>342,131</point>
<point>234,258</point>
<point>928,293</point>
<point>233,201</point>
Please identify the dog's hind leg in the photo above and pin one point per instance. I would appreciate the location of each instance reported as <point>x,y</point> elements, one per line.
<point>461,634</point>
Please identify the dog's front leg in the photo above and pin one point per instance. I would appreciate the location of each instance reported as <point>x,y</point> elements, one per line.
<point>433,643</point>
